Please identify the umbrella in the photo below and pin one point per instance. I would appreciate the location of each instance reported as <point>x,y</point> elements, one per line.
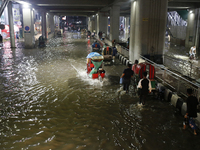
<point>93,54</point>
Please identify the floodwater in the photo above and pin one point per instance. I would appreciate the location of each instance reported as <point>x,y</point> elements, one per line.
<point>49,103</point>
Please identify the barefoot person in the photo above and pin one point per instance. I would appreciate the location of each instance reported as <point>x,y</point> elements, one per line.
<point>191,112</point>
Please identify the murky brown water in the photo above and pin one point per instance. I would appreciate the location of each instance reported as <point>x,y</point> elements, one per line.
<point>47,102</point>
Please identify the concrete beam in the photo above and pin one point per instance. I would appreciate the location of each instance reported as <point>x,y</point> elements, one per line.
<point>183,4</point>
<point>69,3</point>
<point>187,1</point>
<point>72,14</point>
<point>71,11</point>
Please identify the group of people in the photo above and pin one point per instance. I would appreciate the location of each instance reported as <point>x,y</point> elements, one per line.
<point>96,45</point>
<point>102,35</point>
<point>144,85</point>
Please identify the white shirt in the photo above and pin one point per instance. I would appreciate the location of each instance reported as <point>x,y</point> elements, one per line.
<point>140,85</point>
<point>193,50</point>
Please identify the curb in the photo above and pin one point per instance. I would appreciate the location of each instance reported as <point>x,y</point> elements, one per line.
<point>124,61</point>
<point>174,99</point>
<point>177,102</point>
<point>169,96</point>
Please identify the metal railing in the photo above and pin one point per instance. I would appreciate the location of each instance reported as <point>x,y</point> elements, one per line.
<point>174,81</point>
<point>122,50</point>
<point>187,68</point>
<point>3,5</point>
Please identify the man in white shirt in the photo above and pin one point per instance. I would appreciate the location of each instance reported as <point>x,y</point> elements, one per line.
<point>192,52</point>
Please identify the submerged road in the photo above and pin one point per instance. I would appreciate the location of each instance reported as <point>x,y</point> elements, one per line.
<point>48,102</point>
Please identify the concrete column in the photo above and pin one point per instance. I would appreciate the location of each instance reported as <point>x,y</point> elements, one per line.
<point>114,22</point>
<point>52,23</point>
<point>197,39</point>
<point>95,23</point>
<point>44,28</point>
<point>11,25</point>
<point>48,25</point>
<point>147,29</point>
<point>56,22</point>
<point>127,24</point>
<point>89,24</point>
<point>28,20</point>
<point>102,22</point>
<point>92,23</point>
<point>192,33</point>
<point>98,25</point>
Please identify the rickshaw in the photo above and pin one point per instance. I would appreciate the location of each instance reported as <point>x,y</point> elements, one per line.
<point>107,54</point>
<point>138,70</point>
<point>94,66</point>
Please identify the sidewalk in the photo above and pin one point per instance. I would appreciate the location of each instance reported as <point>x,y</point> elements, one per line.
<point>170,49</point>
<point>180,52</point>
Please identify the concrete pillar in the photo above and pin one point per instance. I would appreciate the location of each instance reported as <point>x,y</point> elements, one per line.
<point>92,23</point>
<point>98,25</point>
<point>11,25</point>
<point>89,24</point>
<point>56,22</point>
<point>102,22</point>
<point>48,25</point>
<point>147,30</point>
<point>44,28</point>
<point>192,33</point>
<point>51,23</point>
<point>114,22</point>
<point>95,23</point>
<point>28,20</point>
<point>127,24</point>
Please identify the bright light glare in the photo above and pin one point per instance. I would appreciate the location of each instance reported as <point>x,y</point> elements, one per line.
<point>181,57</point>
<point>25,4</point>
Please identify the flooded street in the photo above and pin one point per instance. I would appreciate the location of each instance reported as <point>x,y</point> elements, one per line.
<point>48,102</point>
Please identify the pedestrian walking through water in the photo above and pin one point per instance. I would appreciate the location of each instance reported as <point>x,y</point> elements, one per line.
<point>144,86</point>
<point>126,75</point>
<point>191,112</point>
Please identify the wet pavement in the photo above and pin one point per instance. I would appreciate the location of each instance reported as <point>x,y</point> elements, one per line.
<point>48,102</point>
<point>179,52</point>
<point>170,49</point>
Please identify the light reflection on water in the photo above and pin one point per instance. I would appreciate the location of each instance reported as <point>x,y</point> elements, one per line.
<point>48,102</point>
